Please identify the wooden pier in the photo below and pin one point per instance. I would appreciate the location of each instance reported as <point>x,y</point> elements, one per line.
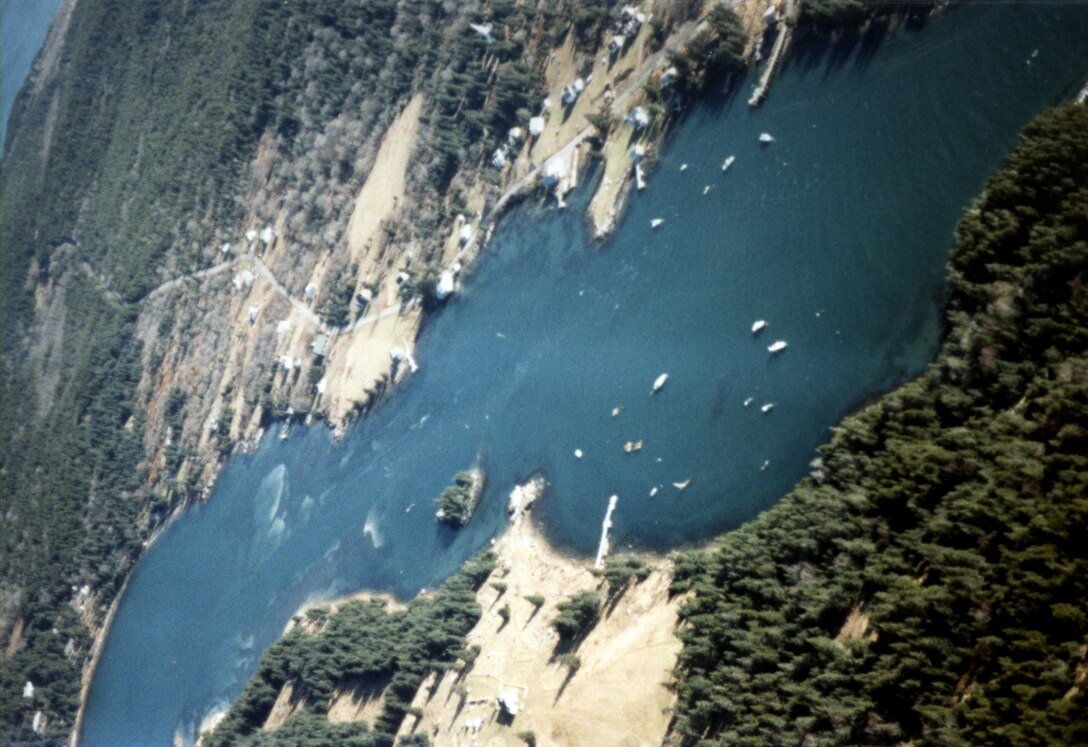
<point>777,53</point>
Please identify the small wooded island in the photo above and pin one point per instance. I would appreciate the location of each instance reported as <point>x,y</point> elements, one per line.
<point>458,502</point>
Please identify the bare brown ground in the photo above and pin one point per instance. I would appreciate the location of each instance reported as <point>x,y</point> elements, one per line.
<point>617,696</point>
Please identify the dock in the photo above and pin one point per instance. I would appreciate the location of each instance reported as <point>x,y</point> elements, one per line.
<point>602,548</point>
<point>778,51</point>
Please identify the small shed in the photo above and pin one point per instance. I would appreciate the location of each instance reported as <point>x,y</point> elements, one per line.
<point>508,701</point>
<point>536,126</point>
<point>638,117</point>
<point>28,689</point>
<point>444,288</point>
<point>317,347</point>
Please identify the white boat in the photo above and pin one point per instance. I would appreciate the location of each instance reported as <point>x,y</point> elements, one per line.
<point>632,446</point>
<point>749,401</point>
<point>578,454</point>
<point>653,491</point>
<point>616,412</point>
<point>767,407</point>
<point>766,137</point>
<point>683,167</point>
<point>682,485</point>
<point>656,222</point>
<point>659,382</point>
<point>758,326</point>
<point>765,465</point>
<point>728,162</point>
<point>777,346</point>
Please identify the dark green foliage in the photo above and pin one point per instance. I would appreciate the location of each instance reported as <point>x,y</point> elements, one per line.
<point>952,514</point>
<point>714,53</point>
<point>314,730</point>
<point>529,737</point>
<point>361,644</point>
<point>577,614</point>
<point>620,569</point>
<point>535,599</point>
<point>336,309</point>
<point>458,502</point>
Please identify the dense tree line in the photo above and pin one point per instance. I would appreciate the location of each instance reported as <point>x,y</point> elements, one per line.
<point>927,583</point>
<point>362,645</point>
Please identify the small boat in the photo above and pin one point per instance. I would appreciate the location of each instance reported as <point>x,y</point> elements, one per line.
<point>659,382</point>
<point>653,491</point>
<point>766,137</point>
<point>632,446</point>
<point>616,411</point>
<point>682,485</point>
<point>758,326</point>
<point>410,507</point>
<point>749,401</point>
<point>656,222</point>
<point>728,162</point>
<point>683,167</point>
<point>706,189</point>
<point>767,407</point>
<point>765,465</point>
<point>578,454</point>
<point>777,346</point>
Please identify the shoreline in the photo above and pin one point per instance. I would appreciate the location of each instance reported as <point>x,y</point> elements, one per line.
<point>614,194</point>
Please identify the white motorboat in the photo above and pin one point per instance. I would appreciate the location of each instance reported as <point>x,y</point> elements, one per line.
<point>656,222</point>
<point>766,137</point>
<point>758,326</point>
<point>659,382</point>
<point>767,407</point>
<point>777,346</point>
<point>728,162</point>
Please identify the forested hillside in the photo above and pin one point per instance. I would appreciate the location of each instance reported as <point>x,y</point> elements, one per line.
<point>361,647</point>
<point>157,133</point>
<point>928,583</point>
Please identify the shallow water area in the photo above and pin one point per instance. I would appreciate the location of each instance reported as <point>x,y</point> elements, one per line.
<point>836,233</point>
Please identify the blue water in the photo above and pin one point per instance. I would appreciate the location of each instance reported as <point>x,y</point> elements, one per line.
<point>837,234</point>
<point>23,25</point>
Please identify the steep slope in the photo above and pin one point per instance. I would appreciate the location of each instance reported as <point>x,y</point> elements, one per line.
<point>927,584</point>
<point>211,222</point>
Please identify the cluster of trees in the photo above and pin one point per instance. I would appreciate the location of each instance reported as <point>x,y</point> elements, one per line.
<point>362,645</point>
<point>458,502</point>
<point>578,613</point>
<point>714,53</point>
<point>927,584</point>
